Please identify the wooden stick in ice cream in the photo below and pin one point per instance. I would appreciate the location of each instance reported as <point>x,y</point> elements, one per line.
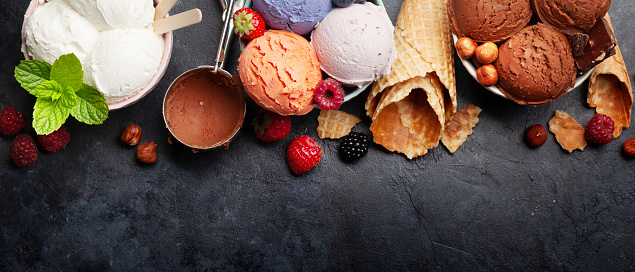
<point>175,22</point>
<point>163,8</point>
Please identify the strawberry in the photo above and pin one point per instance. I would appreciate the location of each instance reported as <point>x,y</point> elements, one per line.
<point>248,24</point>
<point>271,127</point>
<point>303,154</point>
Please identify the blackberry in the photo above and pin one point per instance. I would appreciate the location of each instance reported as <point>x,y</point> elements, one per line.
<point>353,146</point>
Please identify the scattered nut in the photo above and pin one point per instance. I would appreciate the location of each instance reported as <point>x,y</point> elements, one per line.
<point>465,47</point>
<point>486,53</point>
<point>131,134</point>
<point>147,153</point>
<point>487,75</point>
<point>536,135</point>
<point>629,148</point>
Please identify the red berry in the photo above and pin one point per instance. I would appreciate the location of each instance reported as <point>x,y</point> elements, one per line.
<point>599,130</point>
<point>23,151</point>
<point>271,127</point>
<point>11,120</point>
<point>329,94</point>
<point>56,140</point>
<point>303,154</point>
<point>248,24</point>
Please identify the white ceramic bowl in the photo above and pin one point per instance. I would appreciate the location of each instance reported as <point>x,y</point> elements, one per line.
<point>165,59</point>
<point>350,94</point>
<point>469,66</point>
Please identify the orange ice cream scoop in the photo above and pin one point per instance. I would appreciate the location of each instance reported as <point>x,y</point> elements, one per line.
<point>280,72</point>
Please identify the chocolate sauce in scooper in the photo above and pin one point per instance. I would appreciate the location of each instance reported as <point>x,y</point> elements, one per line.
<point>204,109</point>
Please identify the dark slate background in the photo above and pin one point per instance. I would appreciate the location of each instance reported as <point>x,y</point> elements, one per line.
<point>493,205</point>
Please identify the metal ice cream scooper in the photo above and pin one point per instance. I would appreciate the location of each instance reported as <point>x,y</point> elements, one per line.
<point>204,108</point>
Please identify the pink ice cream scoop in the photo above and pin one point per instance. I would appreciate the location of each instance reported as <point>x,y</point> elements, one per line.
<point>355,44</point>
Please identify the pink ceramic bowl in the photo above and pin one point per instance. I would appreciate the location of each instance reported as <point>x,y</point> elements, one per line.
<point>167,53</point>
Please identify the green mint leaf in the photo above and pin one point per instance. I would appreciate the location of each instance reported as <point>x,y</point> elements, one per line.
<point>48,115</point>
<point>67,71</point>
<point>47,89</point>
<point>68,98</point>
<point>30,73</point>
<point>92,108</point>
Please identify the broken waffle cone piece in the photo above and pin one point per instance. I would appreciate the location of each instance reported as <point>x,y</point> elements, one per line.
<point>610,90</point>
<point>457,130</point>
<point>335,124</point>
<point>569,134</point>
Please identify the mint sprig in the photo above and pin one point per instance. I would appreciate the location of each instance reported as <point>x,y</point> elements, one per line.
<point>60,92</point>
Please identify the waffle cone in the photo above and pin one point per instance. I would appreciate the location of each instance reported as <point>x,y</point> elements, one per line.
<point>411,106</point>
<point>410,116</point>
<point>610,90</point>
<point>424,45</point>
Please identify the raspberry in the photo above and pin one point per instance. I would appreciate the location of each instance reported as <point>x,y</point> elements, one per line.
<point>23,151</point>
<point>329,94</point>
<point>11,120</point>
<point>56,140</point>
<point>353,146</point>
<point>599,130</point>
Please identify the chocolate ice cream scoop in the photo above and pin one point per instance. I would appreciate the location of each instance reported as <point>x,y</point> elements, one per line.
<point>488,20</point>
<point>535,66</point>
<point>571,16</point>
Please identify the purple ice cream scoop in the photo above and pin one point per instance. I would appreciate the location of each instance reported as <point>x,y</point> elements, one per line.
<point>298,16</point>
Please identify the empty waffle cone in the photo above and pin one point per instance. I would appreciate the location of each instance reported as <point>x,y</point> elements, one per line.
<point>410,117</point>
<point>610,90</point>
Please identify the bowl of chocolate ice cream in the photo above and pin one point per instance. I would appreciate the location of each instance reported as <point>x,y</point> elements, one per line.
<point>539,59</point>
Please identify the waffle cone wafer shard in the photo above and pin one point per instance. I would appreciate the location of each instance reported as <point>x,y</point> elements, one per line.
<point>424,46</point>
<point>457,130</point>
<point>610,90</point>
<point>335,124</point>
<point>569,134</point>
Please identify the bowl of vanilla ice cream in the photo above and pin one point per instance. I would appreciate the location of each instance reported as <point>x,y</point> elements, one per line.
<point>114,40</point>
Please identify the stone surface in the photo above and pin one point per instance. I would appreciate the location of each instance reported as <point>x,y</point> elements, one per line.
<point>494,205</point>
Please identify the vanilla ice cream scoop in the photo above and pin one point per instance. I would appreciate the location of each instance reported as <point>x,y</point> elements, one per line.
<point>123,61</point>
<point>56,29</point>
<point>355,44</point>
<point>107,14</point>
<point>113,39</point>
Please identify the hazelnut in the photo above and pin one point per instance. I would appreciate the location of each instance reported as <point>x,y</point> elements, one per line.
<point>536,135</point>
<point>465,47</point>
<point>486,53</point>
<point>629,148</point>
<point>131,134</point>
<point>147,153</point>
<point>487,75</point>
